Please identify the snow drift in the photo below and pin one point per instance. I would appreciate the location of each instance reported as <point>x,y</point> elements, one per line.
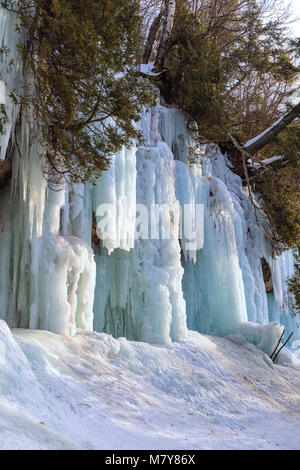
<point>92,391</point>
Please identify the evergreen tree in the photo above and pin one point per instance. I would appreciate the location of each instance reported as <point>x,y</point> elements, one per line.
<point>229,70</point>
<point>80,58</point>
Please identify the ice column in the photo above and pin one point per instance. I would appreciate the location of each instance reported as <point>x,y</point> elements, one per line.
<point>138,292</point>
<point>47,273</point>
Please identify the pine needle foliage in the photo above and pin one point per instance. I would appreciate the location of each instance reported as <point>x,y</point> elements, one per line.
<point>80,60</point>
<point>229,68</point>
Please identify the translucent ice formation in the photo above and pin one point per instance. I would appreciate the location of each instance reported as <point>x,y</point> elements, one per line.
<point>138,274</point>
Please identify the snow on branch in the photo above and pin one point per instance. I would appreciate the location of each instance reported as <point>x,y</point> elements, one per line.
<point>257,143</point>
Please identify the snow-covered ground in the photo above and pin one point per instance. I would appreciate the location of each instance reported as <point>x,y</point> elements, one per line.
<point>94,392</point>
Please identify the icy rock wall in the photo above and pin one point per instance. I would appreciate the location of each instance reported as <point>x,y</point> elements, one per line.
<point>139,292</point>
<point>47,275</point>
<point>223,282</point>
<point>134,284</point>
<point>47,270</point>
<point>145,292</point>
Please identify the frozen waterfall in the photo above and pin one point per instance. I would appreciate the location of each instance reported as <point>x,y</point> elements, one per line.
<point>59,272</point>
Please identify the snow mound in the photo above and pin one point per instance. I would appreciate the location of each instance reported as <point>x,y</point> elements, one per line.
<point>265,337</point>
<point>92,391</point>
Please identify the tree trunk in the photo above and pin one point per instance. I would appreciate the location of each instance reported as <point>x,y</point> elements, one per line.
<point>267,136</point>
<point>166,32</point>
<point>151,38</point>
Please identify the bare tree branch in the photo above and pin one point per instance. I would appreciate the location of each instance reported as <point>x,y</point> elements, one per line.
<point>275,357</point>
<point>267,136</point>
<point>278,343</point>
<point>245,154</point>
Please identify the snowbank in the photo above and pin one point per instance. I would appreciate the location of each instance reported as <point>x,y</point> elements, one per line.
<point>265,337</point>
<point>92,391</point>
